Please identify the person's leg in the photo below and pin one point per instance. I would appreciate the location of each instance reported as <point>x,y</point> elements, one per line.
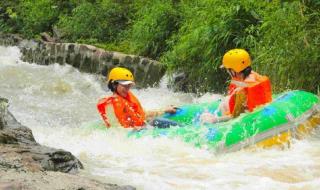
<point>162,123</point>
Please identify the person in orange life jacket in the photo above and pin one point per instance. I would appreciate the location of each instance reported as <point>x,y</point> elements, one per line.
<point>247,89</point>
<point>123,103</point>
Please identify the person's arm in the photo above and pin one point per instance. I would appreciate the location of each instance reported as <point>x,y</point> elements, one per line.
<point>101,106</point>
<point>155,113</point>
<point>212,118</point>
<point>223,118</point>
<point>240,107</point>
<point>240,103</point>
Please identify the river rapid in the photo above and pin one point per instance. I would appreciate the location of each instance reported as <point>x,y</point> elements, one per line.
<point>59,104</point>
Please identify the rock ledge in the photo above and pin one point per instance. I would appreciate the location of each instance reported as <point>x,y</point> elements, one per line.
<point>25,164</point>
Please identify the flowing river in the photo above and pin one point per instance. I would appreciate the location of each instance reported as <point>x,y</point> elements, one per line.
<point>59,104</point>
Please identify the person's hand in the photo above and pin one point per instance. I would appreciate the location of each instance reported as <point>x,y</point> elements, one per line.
<point>171,110</point>
<point>208,118</point>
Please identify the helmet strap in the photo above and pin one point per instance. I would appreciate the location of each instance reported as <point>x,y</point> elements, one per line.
<point>231,72</point>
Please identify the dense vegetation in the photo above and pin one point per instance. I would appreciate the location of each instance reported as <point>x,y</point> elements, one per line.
<point>188,36</point>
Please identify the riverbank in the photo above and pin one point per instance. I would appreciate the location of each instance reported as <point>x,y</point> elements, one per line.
<point>14,180</point>
<point>25,164</point>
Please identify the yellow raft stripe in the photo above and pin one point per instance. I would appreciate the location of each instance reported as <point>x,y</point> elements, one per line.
<point>300,132</point>
<point>280,139</point>
<point>295,128</point>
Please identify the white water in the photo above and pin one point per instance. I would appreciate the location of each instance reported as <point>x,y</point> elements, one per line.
<point>58,103</point>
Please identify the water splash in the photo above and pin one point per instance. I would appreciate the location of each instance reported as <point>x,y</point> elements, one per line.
<point>58,103</point>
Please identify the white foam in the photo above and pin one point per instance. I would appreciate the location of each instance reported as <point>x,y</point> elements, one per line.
<point>58,103</point>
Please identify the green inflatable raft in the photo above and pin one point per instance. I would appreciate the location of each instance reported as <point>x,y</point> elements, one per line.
<point>290,114</point>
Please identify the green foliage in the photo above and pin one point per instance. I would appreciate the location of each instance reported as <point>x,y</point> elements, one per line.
<point>154,24</point>
<point>36,16</point>
<point>102,21</point>
<point>79,25</point>
<point>189,36</point>
<point>204,37</point>
<point>8,16</point>
<point>289,46</point>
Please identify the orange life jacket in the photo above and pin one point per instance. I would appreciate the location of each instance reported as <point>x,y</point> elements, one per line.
<point>127,110</point>
<point>257,89</point>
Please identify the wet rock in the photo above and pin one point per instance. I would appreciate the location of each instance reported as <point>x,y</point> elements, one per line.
<point>27,165</point>
<point>11,186</point>
<point>7,138</point>
<point>179,82</point>
<point>52,181</point>
<point>3,112</point>
<point>37,158</point>
<point>20,150</point>
<point>10,39</point>
<point>46,37</point>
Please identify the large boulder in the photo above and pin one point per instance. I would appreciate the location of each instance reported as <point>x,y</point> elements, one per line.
<point>25,164</point>
<point>19,150</point>
<point>3,110</point>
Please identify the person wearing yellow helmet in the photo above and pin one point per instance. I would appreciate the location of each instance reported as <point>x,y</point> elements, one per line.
<point>123,104</point>
<point>247,89</point>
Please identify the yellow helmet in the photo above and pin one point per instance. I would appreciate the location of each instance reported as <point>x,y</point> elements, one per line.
<point>120,74</point>
<point>236,59</point>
